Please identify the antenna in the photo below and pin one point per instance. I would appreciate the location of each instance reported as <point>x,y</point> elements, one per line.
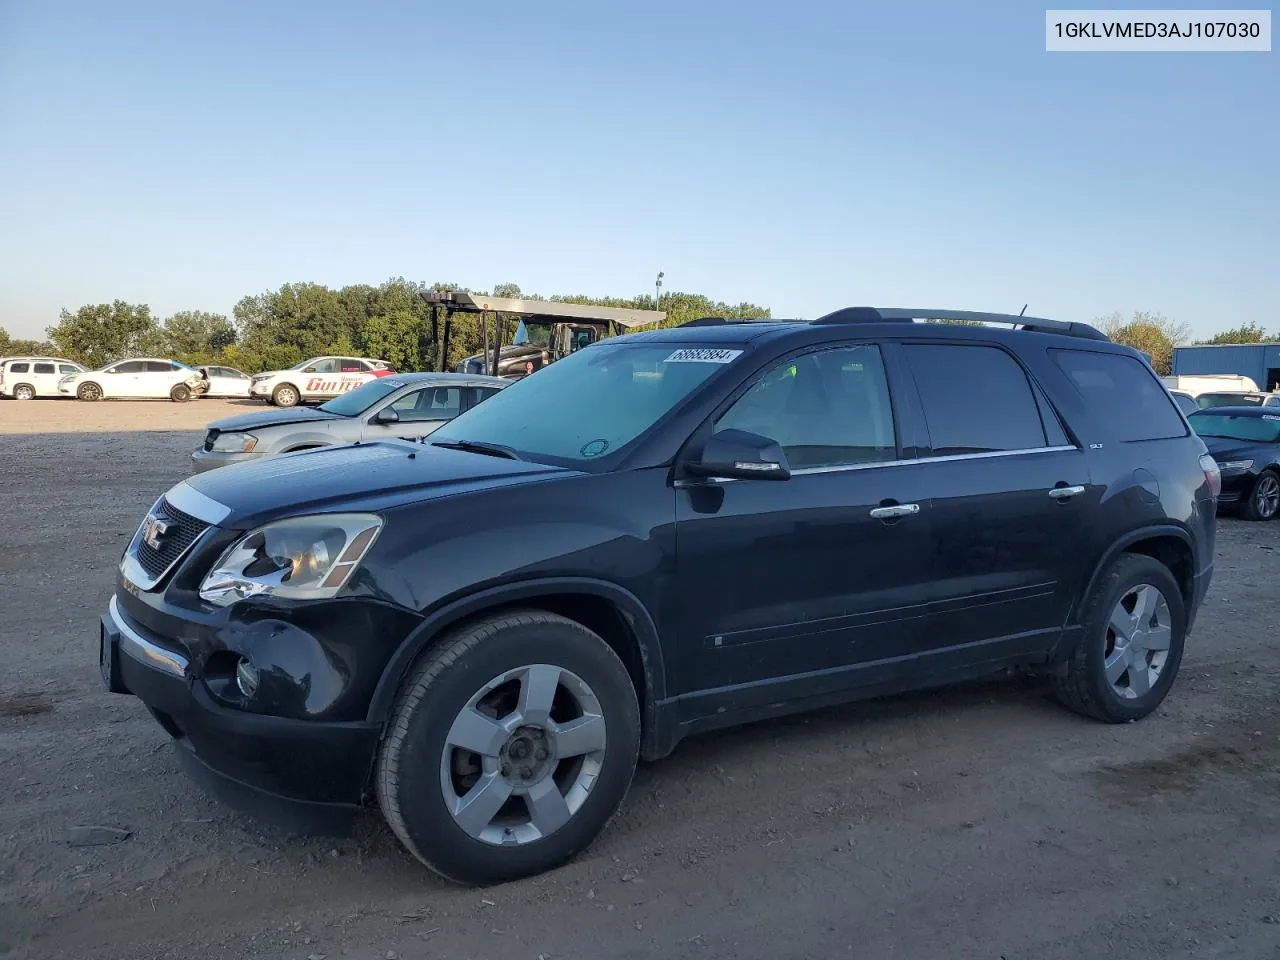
<point>1023,310</point>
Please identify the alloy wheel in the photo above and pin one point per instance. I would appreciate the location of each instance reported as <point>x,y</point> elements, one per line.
<point>521,757</point>
<point>23,393</point>
<point>1138,637</point>
<point>1266,496</point>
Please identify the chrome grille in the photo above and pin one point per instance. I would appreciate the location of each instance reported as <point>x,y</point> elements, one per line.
<point>179,531</point>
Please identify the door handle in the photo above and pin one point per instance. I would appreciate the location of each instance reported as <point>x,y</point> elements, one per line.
<point>897,510</point>
<point>1066,493</point>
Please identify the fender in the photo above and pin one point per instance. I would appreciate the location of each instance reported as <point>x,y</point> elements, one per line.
<point>657,723</point>
<point>1071,629</point>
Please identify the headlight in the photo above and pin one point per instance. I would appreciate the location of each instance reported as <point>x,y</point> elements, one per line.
<point>303,558</point>
<point>1229,467</point>
<point>235,442</point>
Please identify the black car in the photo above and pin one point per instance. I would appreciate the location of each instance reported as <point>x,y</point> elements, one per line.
<point>1245,441</point>
<point>670,532</point>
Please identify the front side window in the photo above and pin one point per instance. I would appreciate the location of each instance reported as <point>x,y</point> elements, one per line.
<point>824,409</point>
<point>129,366</point>
<point>1124,392</point>
<point>429,403</point>
<point>68,368</point>
<point>593,402</point>
<point>327,365</point>
<point>976,399</point>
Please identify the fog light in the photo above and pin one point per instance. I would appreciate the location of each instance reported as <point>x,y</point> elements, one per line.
<point>246,678</point>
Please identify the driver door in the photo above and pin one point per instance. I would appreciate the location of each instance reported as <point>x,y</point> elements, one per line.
<point>418,413</point>
<point>793,588</point>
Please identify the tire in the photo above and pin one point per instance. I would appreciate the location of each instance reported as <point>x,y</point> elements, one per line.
<point>89,392</point>
<point>1264,498</point>
<point>24,391</point>
<point>285,395</point>
<point>180,393</point>
<point>1085,685</point>
<point>420,774</point>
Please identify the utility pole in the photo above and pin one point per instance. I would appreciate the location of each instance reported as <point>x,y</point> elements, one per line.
<point>657,291</point>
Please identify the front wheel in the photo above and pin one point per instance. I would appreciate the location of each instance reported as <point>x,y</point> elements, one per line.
<point>285,395</point>
<point>1134,626</point>
<point>180,393</point>
<point>1264,500</point>
<point>510,748</point>
<point>89,392</point>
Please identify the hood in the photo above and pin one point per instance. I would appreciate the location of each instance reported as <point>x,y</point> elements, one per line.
<point>366,476</point>
<point>270,373</point>
<point>271,417</point>
<point>1222,449</point>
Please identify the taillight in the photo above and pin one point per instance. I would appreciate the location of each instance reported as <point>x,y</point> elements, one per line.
<point>1212,475</point>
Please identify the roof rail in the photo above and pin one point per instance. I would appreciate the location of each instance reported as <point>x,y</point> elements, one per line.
<point>717,321</point>
<point>908,315</point>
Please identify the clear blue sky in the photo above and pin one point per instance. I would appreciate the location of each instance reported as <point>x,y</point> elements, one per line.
<point>800,155</point>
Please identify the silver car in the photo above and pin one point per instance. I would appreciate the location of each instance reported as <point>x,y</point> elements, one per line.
<point>407,406</point>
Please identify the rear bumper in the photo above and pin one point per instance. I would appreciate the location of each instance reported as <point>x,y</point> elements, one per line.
<point>301,774</point>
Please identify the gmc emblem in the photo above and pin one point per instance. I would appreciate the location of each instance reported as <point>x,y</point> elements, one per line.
<point>153,529</point>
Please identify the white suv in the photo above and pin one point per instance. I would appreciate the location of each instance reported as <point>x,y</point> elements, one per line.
<point>25,378</point>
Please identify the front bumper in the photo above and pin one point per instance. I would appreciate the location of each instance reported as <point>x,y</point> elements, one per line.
<point>300,774</point>
<point>260,390</point>
<point>1236,488</point>
<point>202,459</point>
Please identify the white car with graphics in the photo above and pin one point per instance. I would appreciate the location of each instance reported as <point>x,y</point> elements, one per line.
<point>143,378</point>
<point>320,378</point>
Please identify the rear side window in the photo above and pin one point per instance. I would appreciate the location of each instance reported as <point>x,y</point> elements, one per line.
<point>19,368</point>
<point>159,366</point>
<point>43,368</point>
<point>1124,392</point>
<point>976,399</point>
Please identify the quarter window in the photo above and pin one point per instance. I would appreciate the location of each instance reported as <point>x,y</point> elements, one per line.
<point>1134,404</point>
<point>976,399</point>
<point>824,409</point>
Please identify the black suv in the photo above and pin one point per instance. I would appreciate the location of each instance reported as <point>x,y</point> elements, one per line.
<point>661,534</point>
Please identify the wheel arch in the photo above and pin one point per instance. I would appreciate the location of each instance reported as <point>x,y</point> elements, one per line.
<point>609,610</point>
<point>1168,543</point>
<point>30,386</point>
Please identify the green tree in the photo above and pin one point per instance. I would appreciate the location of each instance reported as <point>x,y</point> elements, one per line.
<point>1152,333</point>
<point>100,333</point>
<point>1250,332</point>
<point>195,336</point>
<point>10,347</point>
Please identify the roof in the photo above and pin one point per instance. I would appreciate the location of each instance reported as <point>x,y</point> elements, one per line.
<point>545,311</point>
<point>441,376</point>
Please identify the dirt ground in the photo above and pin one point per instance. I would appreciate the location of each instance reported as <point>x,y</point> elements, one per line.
<point>978,822</point>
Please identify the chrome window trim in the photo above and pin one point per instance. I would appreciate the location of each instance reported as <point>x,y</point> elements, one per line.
<point>872,465</point>
<point>138,648</point>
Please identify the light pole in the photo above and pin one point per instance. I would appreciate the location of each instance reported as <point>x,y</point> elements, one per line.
<point>657,291</point>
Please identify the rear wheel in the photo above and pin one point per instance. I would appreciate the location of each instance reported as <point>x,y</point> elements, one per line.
<point>285,395</point>
<point>1134,626</point>
<point>24,391</point>
<point>510,748</point>
<point>180,393</point>
<point>89,391</point>
<point>1264,500</point>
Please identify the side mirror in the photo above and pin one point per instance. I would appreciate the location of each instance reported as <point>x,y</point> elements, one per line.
<point>308,369</point>
<point>386,415</point>
<point>739,455</point>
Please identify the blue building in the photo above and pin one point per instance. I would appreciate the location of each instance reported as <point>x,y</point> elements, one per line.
<point>1260,362</point>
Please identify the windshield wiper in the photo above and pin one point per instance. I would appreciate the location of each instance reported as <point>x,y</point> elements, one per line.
<point>477,446</point>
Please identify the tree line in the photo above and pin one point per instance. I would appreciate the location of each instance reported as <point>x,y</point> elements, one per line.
<point>391,321</point>
<point>279,328</point>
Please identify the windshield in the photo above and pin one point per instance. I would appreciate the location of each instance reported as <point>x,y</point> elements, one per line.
<point>591,403</point>
<point>1228,400</point>
<point>1264,429</point>
<point>360,399</point>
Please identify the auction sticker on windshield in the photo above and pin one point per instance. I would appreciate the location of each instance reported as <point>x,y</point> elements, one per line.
<point>703,355</point>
